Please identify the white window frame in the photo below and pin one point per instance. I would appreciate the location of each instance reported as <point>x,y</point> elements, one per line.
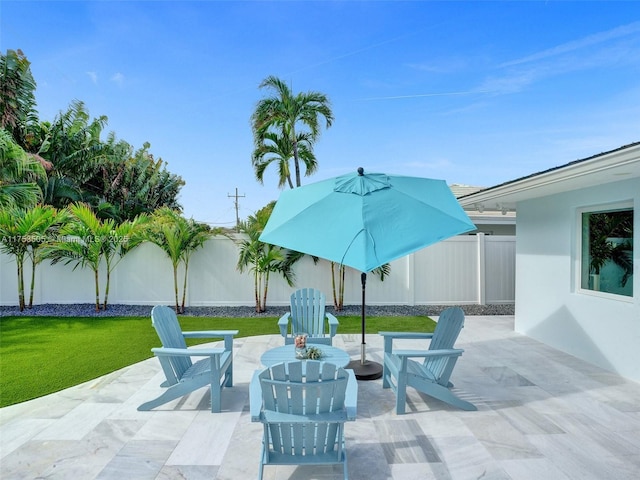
<point>604,207</point>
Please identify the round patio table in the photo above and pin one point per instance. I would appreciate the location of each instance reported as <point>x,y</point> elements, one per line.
<point>288,354</point>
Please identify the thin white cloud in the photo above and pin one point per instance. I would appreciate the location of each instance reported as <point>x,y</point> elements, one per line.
<point>93,76</point>
<point>579,44</point>
<point>510,83</point>
<point>593,51</point>
<point>354,52</point>
<point>601,50</point>
<point>118,79</point>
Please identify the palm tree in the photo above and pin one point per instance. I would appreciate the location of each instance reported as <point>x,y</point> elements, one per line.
<point>88,241</point>
<point>168,231</point>
<point>261,258</point>
<point>197,235</point>
<point>278,149</point>
<point>123,238</point>
<point>178,238</point>
<point>46,223</point>
<point>287,115</point>
<point>82,243</point>
<point>21,232</point>
<point>18,175</point>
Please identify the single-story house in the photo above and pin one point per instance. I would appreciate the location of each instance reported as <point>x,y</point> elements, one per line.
<point>578,256</point>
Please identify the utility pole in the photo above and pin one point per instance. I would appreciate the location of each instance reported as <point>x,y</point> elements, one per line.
<point>236,196</point>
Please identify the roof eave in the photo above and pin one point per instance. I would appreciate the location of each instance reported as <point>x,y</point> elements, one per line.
<point>603,168</point>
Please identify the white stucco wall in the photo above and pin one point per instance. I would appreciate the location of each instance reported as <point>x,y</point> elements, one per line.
<point>549,308</point>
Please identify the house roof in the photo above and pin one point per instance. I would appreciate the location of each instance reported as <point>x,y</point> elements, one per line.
<point>491,215</point>
<point>460,190</point>
<point>615,165</point>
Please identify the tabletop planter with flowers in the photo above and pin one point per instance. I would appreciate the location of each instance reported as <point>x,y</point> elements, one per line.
<point>303,352</point>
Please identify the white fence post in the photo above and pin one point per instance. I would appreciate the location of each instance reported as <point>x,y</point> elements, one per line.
<point>482,269</point>
<point>411,271</point>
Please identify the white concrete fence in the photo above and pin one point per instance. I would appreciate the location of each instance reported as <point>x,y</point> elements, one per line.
<point>471,269</point>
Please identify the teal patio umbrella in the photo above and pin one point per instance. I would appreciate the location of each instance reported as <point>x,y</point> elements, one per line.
<point>364,220</point>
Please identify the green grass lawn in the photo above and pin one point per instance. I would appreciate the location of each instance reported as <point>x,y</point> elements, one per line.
<point>42,355</point>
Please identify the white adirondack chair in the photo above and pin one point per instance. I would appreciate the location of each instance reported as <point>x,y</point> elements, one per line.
<point>183,376</point>
<point>303,406</point>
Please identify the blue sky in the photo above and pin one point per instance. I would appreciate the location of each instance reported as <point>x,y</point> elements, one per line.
<point>476,93</point>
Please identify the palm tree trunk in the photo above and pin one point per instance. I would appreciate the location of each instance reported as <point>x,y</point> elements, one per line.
<point>175,286</point>
<point>341,286</point>
<point>33,280</point>
<point>296,158</point>
<point>256,290</point>
<point>95,273</point>
<point>338,293</point>
<point>106,289</point>
<point>266,288</point>
<point>333,285</point>
<point>184,287</point>
<point>20,263</point>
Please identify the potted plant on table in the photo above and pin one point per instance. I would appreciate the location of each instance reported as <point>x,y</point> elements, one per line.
<point>303,352</point>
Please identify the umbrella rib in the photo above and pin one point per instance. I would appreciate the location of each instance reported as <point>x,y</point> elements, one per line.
<point>349,246</point>
<point>373,243</point>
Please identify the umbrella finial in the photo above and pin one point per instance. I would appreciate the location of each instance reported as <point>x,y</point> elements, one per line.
<point>360,171</point>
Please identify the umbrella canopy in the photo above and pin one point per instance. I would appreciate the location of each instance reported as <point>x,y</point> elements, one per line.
<point>365,220</point>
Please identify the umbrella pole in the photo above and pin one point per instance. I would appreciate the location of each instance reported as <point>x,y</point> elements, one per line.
<point>363,368</point>
<point>363,345</point>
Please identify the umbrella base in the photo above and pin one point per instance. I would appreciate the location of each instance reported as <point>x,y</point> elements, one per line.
<point>365,371</point>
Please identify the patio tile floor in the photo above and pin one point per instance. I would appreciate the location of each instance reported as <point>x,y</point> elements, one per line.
<point>541,414</point>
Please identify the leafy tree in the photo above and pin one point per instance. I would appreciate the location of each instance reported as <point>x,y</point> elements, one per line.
<point>22,231</point>
<point>178,238</point>
<point>135,182</point>
<point>18,175</point>
<point>287,115</point>
<point>73,144</point>
<point>17,99</point>
<point>261,258</point>
<point>116,181</point>
<point>59,191</point>
<point>87,241</point>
